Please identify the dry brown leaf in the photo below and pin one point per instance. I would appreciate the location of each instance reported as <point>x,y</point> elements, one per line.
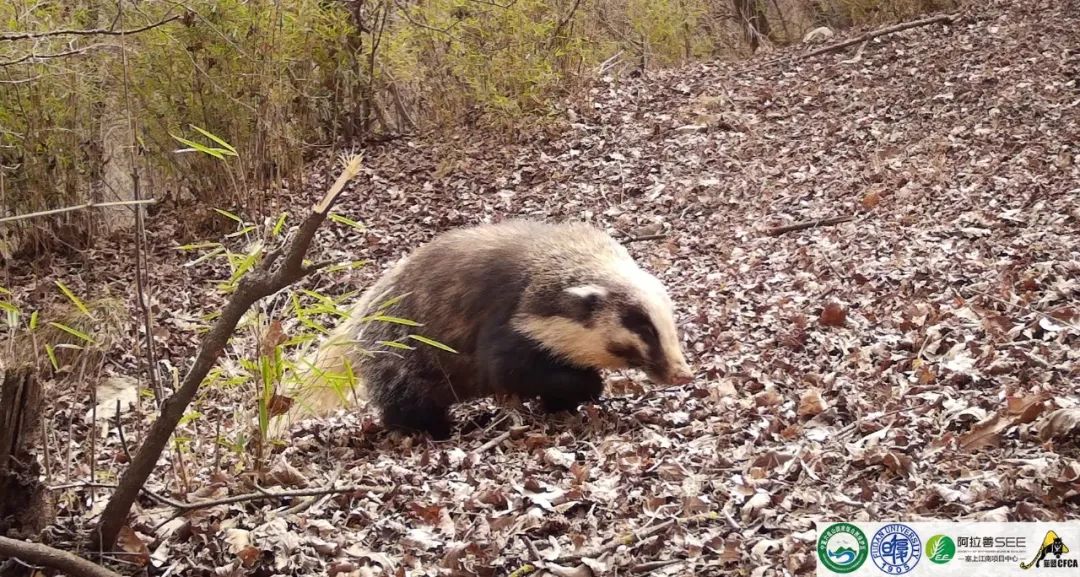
<point>1061,424</point>
<point>811,403</point>
<point>274,336</point>
<point>1026,408</point>
<point>833,315</point>
<point>985,433</point>
<point>129,542</point>
<point>870,199</point>
<point>279,405</point>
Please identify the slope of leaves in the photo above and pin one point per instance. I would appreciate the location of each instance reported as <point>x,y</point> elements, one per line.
<point>918,361</point>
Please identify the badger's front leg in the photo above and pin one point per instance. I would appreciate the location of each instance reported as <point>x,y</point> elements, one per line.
<point>418,416</point>
<point>565,387</point>
<point>515,363</point>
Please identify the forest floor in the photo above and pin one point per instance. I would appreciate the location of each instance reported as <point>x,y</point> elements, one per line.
<point>916,361</point>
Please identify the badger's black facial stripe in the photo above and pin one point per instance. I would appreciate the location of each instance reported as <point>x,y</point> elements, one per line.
<point>637,321</point>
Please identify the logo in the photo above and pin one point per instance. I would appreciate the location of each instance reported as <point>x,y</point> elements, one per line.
<point>842,548</point>
<point>1051,545</point>
<point>940,549</point>
<point>896,549</point>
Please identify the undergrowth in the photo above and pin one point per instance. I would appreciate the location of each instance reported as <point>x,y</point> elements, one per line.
<point>284,80</point>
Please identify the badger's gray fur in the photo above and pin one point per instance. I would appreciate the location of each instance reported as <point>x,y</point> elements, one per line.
<point>532,309</point>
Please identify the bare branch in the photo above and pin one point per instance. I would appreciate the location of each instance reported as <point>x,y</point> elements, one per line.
<point>261,495</point>
<point>76,207</point>
<point>45,556</point>
<point>881,32</point>
<point>779,230</point>
<point>87,32</point>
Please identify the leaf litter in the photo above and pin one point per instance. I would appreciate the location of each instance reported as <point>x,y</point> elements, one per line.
<point>916,361</point>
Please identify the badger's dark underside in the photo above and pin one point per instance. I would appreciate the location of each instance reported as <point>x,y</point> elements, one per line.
<point>415,391</point>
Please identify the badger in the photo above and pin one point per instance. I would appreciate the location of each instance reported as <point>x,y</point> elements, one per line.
<point>529,309</point>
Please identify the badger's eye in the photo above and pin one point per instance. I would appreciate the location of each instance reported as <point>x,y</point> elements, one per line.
<point>637,321</point>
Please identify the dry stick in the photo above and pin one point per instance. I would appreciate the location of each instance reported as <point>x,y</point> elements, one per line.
<point>654,565</point>
<point>645,237</point>
<point>881,32</point>
<point>45,556</point>
<point>89,32</point>
<point>141,278</point>
<point>264,280</point>
<point>502,437</point>
<point>629,539</point>
<point>779,230</point>
<point>76,207</point>
<point>185,507</point>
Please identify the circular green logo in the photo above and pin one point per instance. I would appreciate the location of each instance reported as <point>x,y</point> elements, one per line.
<point>940,549</point>
<point>842,548</point>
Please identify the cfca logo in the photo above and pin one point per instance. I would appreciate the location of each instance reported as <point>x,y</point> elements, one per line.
<point>896,549</point>
<point>1049,555</point>
<point>940,549</point>
<point>842,548</point>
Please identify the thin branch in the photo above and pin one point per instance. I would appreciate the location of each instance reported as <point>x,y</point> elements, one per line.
<point>269,277</point>
<point>45,556</point>
<point>654,565</point>
<point>881,32</point>
<point>644,238</point>
<point>779,230</point>
<point>87,32</point>
<point>35,56</point>
<point>628,539</point>
<point>261,495</point>
<point>76,207</point>
<point>483,448</point>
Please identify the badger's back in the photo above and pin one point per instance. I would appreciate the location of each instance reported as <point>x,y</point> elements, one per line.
<point>455,285</point>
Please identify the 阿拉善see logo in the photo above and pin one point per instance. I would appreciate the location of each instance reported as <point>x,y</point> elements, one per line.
<point>940,549</point>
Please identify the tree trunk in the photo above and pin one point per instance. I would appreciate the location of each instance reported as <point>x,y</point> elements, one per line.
<point>23,510</point>
<point>752,18</point>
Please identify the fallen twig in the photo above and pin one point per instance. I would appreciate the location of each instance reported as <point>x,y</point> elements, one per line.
<point>45,556</point>
<point>500,438</point>
<point>654,565</point>
<point>307,503</point>
<point>628,539</point>
<point>881,32</point>
<point>185,507</point>
<point>645,237</point>
<point>779,230</point>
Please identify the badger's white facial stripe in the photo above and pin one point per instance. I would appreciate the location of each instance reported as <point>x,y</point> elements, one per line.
<point>587,290</point>
<point>574,341</point>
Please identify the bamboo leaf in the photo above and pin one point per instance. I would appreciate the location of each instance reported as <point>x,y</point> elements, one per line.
<point>396,345</point>
<point>280,224</point>
<point>74,299</point>
<point>390,319</point>
<point>74,332</point>
<point>432,343</point>
<point>230,216</point>
<point>216,139</point>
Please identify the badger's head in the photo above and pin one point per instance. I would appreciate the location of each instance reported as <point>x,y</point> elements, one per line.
<point>611,321</point>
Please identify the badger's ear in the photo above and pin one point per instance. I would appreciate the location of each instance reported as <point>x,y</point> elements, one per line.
<point>584,300</point>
